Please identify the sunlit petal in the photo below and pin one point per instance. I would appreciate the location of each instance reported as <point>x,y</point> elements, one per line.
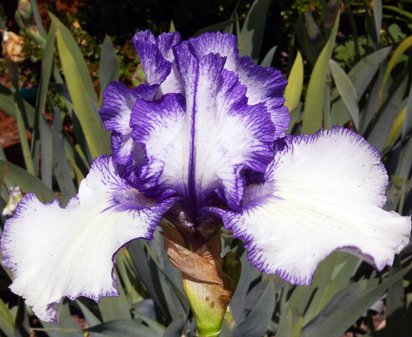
<point>201,141</point>
<point>55,252</point>
<point>118,103</point>
<point>323,192</point>
<point>156,57</point>
<point>264,85</point>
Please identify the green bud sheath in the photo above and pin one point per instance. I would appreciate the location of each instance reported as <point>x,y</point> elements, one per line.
<point>209,304</point>
<point>207,287</point>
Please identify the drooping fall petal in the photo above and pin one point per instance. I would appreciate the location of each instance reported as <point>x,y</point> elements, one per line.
<point>56,252</point>
<point>322,193</point>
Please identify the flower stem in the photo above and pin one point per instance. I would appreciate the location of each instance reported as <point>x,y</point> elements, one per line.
<point>208,335</point>
<point>207,287</point>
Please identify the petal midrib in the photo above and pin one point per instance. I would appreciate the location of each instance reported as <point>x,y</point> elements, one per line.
<point>192,195</point>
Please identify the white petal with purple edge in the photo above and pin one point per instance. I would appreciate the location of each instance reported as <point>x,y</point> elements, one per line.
<point>128,156</point>
<point>56,252</point>
<point>203,143</point>
<point>322,193</point>
<point>264,85</point>
<point>156,57</point>
<point>218,43</point>
<point>118,103</point>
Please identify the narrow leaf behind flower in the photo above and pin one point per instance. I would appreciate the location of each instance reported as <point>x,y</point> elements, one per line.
<point>124,328</point>
<point>37,19</point>
<point>215,27</point>
<point>16,176</point>
<point>295,117</point>
<point>170,277</point>
<point>251,35</point>
<point>112,308</point>
<point>290,324</point>
<point>403,46</point>
<point>108,65</point>
<point>247,276</point>
<point>89,316</point>
<point>314,102</point>
<point>62,170</point>
<point>21,118</point>
<point>390,110</point>
<point>339,114</point>
<point>172,27</point>
<point>66,326</point>
<point>300,299</point>
<point>285,324</point>
<point>377,15</point>
<point>373,104</point>
<point>267,60</point>
<point>294,88</point>
<point>347,306</point>
<point>6,319</point>
<point>396,129</point>
<point>147,275</point>
<point>332,276</point>
<point>257,322</point>
<point>76,54</point>
<point>407,126</point>
<point>404,166</point>
<point>44,130</point>
<point>395,302</point>
<point>362,73</point>
<point>175,328</point>
<point>24,143</point>
<point>81,91</point>
<point>346,90</point>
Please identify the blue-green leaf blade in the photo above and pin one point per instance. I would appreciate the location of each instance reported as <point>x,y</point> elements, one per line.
<point>314,102</point>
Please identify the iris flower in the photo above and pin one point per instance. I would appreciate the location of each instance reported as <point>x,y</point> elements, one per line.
<point>203,140</point>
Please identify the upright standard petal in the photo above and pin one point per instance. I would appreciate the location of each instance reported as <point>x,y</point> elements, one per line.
<point>323,192</point>
<point>55,252</point>
<point>156,57</point>
<point>118,103</point>
<point>264,85</point>
<point>202,141</point>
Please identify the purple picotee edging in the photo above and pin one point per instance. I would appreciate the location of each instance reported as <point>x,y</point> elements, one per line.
<point>101,164</point>
<point>224,83</point>
<point>264,85</point>
<point>155,54</point>
<point>234,221</point>
<point>118,103</point>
